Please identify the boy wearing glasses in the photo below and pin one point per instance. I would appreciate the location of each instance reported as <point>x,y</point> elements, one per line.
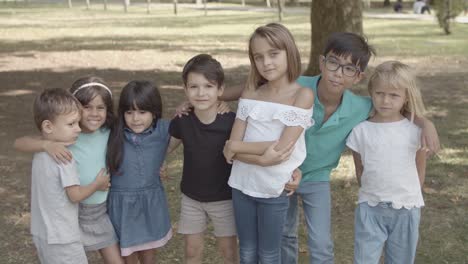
<point>336,111</point>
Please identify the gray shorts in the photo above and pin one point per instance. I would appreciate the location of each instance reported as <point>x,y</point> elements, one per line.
<point>194,217</point>
<point>72,253</point>
<point>97,231</point>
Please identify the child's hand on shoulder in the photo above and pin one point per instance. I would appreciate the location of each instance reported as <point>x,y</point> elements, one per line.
<point>103,180</point>
<point>58,151</point>
<point>223,108</point>
<point>183,109</point>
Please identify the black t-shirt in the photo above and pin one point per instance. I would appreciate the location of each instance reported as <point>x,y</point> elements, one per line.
<point>206,172</point>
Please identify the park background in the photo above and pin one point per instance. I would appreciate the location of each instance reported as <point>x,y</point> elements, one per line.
<point>47,44</point>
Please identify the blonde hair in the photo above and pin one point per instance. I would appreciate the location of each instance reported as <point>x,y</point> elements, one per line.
<point>397,75</point>
<point>277,36</point>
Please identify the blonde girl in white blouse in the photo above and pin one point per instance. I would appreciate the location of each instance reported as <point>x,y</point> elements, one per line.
<point>390,168</point>
<point>273,113</point>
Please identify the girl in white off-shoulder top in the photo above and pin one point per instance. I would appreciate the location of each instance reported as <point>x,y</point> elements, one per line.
<point>271,118</point>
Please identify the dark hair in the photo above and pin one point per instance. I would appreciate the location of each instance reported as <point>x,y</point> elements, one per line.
<point>280,37</point>
<point>87,94</point>
<point>206,65</point>
<point>350,44</point>
<point>52,103</point>
<point>141,95</point>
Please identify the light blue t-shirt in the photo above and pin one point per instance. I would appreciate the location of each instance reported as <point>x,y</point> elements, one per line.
<point>89,152</point>
<point>326,141</point>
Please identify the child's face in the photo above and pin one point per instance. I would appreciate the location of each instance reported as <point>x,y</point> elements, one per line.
<point>388,102</point>
<point>138,120</point>
<point>338,73</point>
<point>202,93</point>
<point>271,63</point>
<point>64,128</point>
<point>93,115</point>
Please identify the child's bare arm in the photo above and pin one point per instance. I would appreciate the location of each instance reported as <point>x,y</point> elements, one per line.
<point>232,93</point>
<point>173,144</point>
<point>78,193</point>
<point>429,135</point>
<point>421,165</point>
<point>237,134</point>
<point>358,166</point>
<point>268,158</point>
<point>57,150</point>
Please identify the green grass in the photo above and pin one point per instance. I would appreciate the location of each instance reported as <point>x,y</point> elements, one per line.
<point>45,45</point>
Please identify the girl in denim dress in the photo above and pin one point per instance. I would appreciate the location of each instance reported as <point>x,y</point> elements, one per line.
<point>137,145</point>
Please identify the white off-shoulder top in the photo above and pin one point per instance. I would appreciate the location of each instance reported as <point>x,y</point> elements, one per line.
<point>265,122</point>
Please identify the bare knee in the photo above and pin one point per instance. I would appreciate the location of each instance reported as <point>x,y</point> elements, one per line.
<point>111,255</point>
<point>193,252</point>
<point>228,248</point>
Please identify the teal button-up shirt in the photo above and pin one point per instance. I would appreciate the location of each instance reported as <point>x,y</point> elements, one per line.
<point>326,141</point>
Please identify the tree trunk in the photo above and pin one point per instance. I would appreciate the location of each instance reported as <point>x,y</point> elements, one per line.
<point>88,4</point>
<point>386,3</point>
<point>268,3</point>
<point>280,10</point>
<point>175,7</point>
<point>148,6</point>
<point>105,5</point>
<point>326,17</point>
<point>126,5</point>
<point>204,7</point>
<point>243,2</point>
<point>70,4</point>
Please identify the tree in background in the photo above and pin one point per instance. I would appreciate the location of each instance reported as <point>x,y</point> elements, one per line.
<point>328,16</point>
<point>448,10</point>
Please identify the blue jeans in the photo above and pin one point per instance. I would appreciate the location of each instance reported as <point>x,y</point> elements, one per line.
<point>259,222</point>
<point>316,203</point>
<point>397,229</point>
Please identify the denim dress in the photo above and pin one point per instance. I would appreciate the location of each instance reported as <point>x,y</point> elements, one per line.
<point>137,202</point>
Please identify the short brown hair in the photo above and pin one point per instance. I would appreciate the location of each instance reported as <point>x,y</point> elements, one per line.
<point>52,103</point>
<point>206,65</point>
<point>277,36</point>
<point>350,44</point>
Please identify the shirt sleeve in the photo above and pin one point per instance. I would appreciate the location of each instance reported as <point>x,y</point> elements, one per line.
<point>174,128</point>
<point>68,174</point>
<point>242,110</point>
<point>353,141</point>
<point>296,117</point>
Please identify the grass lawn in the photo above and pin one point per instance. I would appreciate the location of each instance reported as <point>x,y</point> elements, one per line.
<point>51,46</point>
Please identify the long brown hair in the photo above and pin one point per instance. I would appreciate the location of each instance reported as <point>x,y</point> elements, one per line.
<point>277,36</point>
<point>143,95</point>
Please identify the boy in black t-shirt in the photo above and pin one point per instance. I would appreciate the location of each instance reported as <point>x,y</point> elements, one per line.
<point>203,132</point>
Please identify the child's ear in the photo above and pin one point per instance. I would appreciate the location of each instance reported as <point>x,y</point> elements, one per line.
<point>321,61</point>
<point>220,90</point>
<point>360,76</point>
<point>47,126</point>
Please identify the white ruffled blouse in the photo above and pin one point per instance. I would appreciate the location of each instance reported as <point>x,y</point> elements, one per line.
<point>266,122</point>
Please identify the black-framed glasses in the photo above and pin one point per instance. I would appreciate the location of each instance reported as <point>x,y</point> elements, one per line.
<point>347,69</point>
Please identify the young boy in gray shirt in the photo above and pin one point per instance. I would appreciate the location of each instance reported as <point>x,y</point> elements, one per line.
<point>55,188</point>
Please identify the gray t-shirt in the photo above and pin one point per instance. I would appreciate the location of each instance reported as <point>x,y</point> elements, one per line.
<point>54,218</point>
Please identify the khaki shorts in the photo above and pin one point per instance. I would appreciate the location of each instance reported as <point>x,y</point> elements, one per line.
<point>72,253</point>
<point>194,217</point>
